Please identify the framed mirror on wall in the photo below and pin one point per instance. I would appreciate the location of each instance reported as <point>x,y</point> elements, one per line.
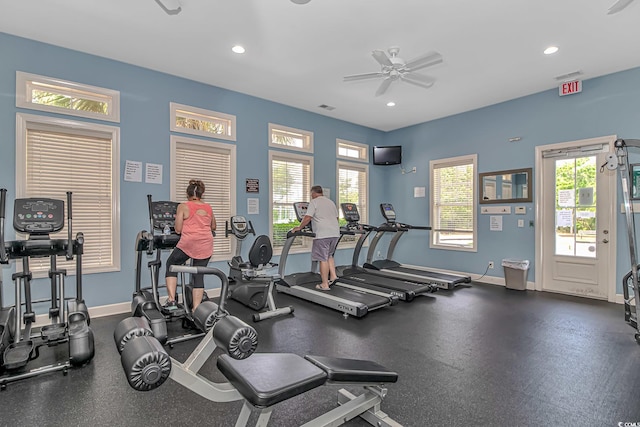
<point>508,186</point>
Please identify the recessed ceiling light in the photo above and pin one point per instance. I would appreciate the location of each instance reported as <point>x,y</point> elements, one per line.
<point>391,104</point>
<point>300,1</point>
<point>551,50</point>
<point>238,49</point>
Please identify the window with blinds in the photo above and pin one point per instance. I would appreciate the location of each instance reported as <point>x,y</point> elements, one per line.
<point>55,156</point>
<point>453,203</point>
<point>214,164</point>
<point>353,188</point>
<point>290,178</point>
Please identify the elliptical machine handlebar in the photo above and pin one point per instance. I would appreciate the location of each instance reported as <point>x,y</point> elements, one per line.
<point>69,234</point>
<point>207,270</point>
<point>3,252</point>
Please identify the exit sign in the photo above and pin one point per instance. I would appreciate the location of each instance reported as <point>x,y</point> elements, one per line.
<point>569,88</point>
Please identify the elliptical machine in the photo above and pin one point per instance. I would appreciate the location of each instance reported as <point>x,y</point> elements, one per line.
<point>250,283</point>
<point>146,300</point>
<point>38,217</point>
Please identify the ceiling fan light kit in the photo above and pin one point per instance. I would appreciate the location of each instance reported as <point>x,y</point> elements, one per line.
<point>394,68</point>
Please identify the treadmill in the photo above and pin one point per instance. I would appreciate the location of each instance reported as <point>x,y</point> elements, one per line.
<point>343,297</point>
<point>410,272</point>
<point>404,289</point>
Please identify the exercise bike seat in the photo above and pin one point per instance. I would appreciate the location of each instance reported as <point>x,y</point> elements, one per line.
<point>265,379</point>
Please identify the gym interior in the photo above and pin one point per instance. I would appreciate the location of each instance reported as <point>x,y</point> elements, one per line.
<point>545,344</point>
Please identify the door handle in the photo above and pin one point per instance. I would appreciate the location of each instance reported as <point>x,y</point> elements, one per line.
<point>605,240</point>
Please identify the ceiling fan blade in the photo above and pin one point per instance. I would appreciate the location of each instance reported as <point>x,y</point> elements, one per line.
<point>362,76</point>
<point>384,86</point>
<point>418,80</point>
<point>382,58</point>
<point>618,6</point>
<point>426,60</point>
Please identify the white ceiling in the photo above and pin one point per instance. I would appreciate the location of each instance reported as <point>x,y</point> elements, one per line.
<point>298,54</point>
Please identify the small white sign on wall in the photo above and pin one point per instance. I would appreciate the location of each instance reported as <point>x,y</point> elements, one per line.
<point>419,192</point>
<point>495,223</point>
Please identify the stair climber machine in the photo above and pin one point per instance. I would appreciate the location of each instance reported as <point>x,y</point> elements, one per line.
<point>251,283</point>
<point>345,297</point>
<point>146,300</point>
<point>259,380</point>
<point>395,269</point>
<point>404,289</point>
<point>20,340</point>
<point>630,288</point>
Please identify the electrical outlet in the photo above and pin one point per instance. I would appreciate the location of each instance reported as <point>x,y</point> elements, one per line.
<point>490,264</point>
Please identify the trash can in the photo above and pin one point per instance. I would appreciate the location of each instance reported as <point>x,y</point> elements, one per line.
<point>515,273</point>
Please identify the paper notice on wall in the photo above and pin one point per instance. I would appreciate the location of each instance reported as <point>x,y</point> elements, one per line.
<point>153,173</point>
<point>419,192</point>
<point>133,171</point>
<point>253,206</point>
<point>495,223</point>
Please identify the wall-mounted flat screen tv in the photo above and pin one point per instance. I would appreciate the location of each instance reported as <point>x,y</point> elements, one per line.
<point>387,155</point>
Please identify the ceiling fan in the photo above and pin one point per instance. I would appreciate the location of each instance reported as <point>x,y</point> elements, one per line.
<point>395,68</point>
<point>618,6</point>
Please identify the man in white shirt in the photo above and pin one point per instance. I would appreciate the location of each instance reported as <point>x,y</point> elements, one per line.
<point>323,216</point>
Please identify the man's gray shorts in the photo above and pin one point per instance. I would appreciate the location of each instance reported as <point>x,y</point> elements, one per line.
<point>322,249</point>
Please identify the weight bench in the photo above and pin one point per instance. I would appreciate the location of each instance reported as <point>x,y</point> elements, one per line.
<point>265,379</point>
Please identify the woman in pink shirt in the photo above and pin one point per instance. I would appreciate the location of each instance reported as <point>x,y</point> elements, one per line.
<point>195,223</point>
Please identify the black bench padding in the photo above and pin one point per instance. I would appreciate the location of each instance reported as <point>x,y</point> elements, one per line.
<point>265,379</point>
<point>353,370</point>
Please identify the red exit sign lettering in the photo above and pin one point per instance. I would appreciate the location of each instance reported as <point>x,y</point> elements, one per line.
<point>569,88</point>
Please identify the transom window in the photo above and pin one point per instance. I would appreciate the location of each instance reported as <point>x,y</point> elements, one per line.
<point>198,121</point>
<point>290,138</point>
<point>453,203</point>
<point>352,150</point>
<point>65,97</point>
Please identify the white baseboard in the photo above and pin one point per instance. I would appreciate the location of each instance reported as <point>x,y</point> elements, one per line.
<point>112,309</point>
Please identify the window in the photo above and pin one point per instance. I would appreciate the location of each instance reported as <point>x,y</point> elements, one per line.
<point>214,164</point>
<point>290,138</point>
<point>353,188</point>
<point>197,121</point>
<point>352,150</point>
<point>453,203</point>
<point>54,156</point>
<point>60,96</point>
<point>290,182</point>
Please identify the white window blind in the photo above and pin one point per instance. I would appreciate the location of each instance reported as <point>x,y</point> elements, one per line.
<point>290,183</point>
<point>60,160</point>
<point>453,203</point>
<point>353,188</point>
<point>212,164</point>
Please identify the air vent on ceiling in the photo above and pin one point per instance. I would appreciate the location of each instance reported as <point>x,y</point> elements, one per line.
<point>569,76</point>
<point>326,107</point>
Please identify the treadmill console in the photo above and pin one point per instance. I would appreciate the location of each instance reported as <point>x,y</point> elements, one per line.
<point>350,212</point>
<point>387,212</point>
<point>38,216</point>
<point>163,214</point>
<point>300,209</point>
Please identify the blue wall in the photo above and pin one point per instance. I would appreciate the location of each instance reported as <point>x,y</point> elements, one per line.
<point>608,105</point>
